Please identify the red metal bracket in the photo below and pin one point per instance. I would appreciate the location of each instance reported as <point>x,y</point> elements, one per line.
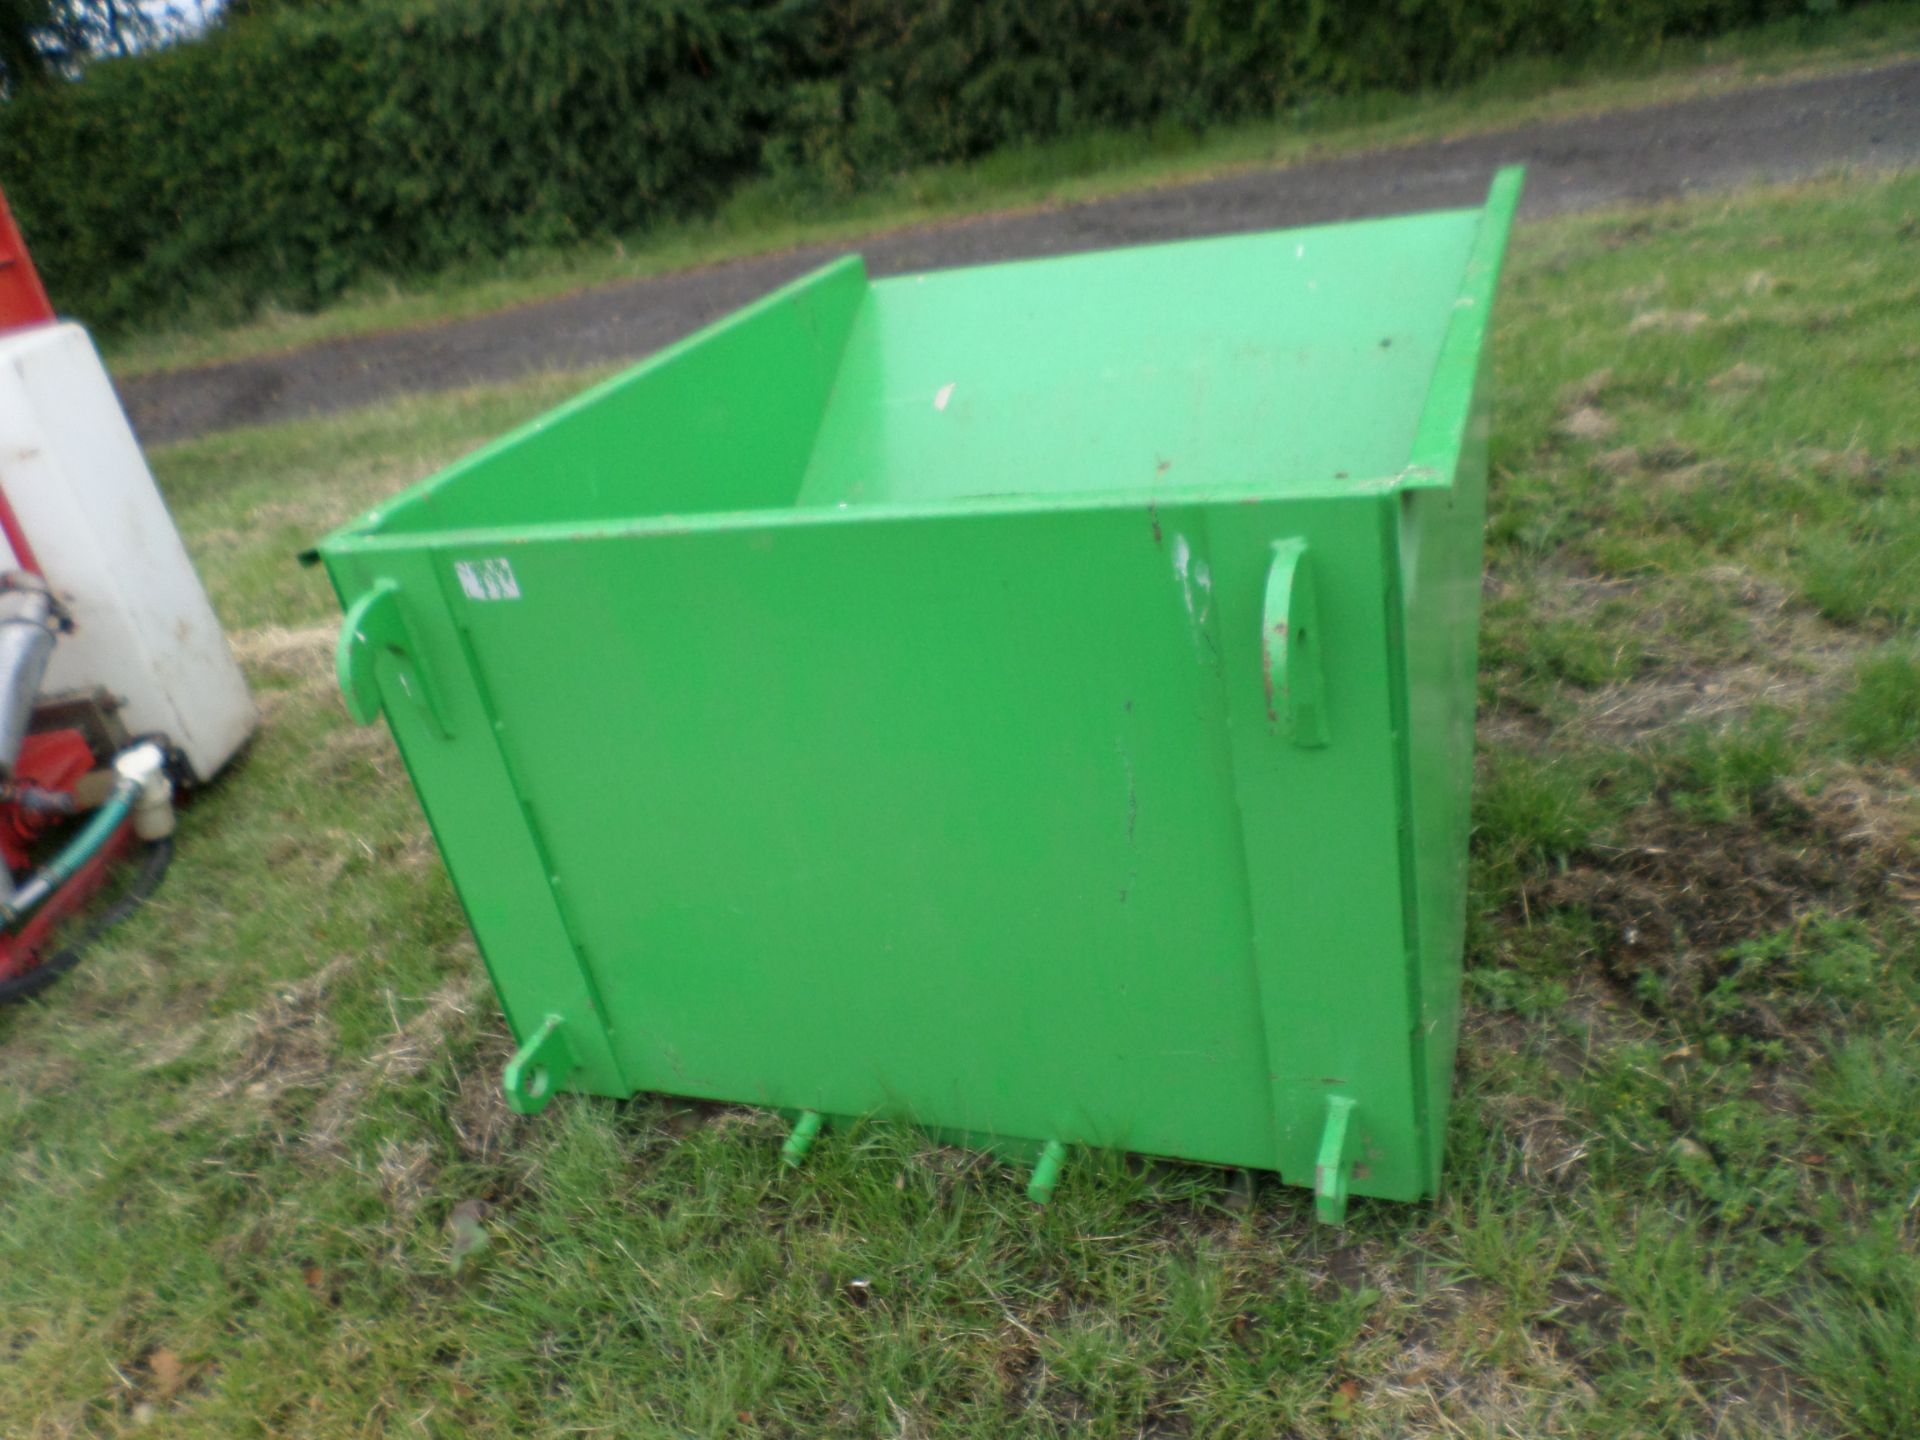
<point>23,949</point>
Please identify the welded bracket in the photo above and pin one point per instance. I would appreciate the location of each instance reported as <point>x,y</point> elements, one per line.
<point>538,1068</point>
<point>375,627</point>
<point>1334,1169</point>
<point>1046,1172</point>
<point>1290,649</point>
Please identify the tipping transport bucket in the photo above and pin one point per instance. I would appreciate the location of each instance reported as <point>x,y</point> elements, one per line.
<point>1035,701</point>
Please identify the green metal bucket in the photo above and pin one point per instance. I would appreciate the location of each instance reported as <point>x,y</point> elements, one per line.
<point>1036,701</point>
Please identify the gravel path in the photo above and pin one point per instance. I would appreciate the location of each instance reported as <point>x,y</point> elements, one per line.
<point>1774,132</point>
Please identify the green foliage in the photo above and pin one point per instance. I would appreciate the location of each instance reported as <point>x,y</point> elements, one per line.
<point>282,158</point>
<point>875,85</point>
<point>305,147</point>
<point>40,40</point>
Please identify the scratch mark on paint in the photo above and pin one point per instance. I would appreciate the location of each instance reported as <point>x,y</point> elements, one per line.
<point>942,396</point>
<point>1194,575</point>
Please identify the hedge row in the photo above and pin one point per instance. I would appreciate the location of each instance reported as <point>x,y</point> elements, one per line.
<point>283,158</point>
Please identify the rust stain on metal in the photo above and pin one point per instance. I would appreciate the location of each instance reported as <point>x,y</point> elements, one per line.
<point>1266,670</point>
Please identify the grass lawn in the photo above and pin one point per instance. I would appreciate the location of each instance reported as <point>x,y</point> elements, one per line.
<point>765,218</point>
<point>258,1179</point>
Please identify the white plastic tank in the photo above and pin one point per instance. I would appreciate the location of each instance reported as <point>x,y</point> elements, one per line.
<point>88,508</point>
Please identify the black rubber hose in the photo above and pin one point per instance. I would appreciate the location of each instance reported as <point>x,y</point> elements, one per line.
<point>153,868</point>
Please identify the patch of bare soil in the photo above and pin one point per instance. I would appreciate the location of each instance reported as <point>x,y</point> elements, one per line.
<point>288,1044</point>
<point>1683,696</point>
<point>1743,376</point>
<point>1552,1150</point>
<point>1587,422</point>
<point>356,748</point>
<point>1675,898</point>
<point>1550,1143</point>
<point>1876,814</point>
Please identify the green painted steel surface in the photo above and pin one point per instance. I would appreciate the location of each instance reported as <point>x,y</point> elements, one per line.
<point>1036,700</point>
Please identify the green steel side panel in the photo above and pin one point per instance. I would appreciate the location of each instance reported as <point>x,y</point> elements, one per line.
<point>724,420</point>
<point>947,821</point>
<point>898,817</point>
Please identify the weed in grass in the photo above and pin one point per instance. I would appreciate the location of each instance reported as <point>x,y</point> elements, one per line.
<point>1867,572</point>
<point>1509,992</point>
<point>1818,957</point>
<point>1518,1249</point>
<point>1528,814</point>
<point>1860,1331</point>
<point>1880,715</point>
<point>1863,1103</point>
<point>1721,776</point>
<point>1687,1309</point>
